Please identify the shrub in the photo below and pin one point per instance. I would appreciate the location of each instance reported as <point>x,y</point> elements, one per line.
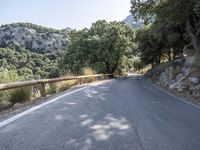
<point>4,100</point>
<point>54,73</point>
<point>8,76</point>
<point>5,77</point>
<point>20,95</point>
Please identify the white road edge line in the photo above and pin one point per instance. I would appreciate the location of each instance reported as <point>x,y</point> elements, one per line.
<point>187,102</point>
<point>9,120</point>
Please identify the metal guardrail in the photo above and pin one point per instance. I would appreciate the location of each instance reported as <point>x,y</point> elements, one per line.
<point>42,82</point>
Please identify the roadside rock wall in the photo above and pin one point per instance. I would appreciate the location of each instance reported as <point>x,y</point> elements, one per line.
<point>181,75</point>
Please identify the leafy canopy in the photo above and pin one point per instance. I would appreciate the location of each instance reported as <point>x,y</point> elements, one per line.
<point>103,47</point>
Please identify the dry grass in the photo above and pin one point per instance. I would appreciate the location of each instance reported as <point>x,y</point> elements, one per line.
<point>51,89</point>
<point>60,86</point>
<point>88,71</point>
<point>21,95</point>
<point>64,85</point>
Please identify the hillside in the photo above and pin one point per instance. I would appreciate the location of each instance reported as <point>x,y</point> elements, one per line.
<point>31,51</point>
<point>34,37</point>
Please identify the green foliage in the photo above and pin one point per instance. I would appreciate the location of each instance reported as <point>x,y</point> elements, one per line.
<point>175,22</point>
<point>138,65</point>
<point>9,76</point>
<point>30,64</point>
<point>21,95</point>
<point>102,47</point>
<point>5,77</point>
<point>55,73</point>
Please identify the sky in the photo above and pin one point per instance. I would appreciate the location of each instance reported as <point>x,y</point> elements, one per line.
<point>60,14</point>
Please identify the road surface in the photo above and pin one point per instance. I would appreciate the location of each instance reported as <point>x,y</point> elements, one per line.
<point>121,114</point>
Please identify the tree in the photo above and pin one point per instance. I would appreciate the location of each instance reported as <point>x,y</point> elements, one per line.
<point>149,47</point>
<point>184,17</point>
<point>102,47</point>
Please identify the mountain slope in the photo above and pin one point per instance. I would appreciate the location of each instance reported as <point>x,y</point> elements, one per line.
<point>131,21</point>
<point>34,37</point>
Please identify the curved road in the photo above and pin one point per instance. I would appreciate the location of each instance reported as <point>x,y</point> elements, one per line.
<point>121,114</point>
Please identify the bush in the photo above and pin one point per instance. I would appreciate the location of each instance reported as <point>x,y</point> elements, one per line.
<point>21,95</point>
<point>4,100</point>
<point>8,76</point>
<point>55,73</point>
<point>5,77</point>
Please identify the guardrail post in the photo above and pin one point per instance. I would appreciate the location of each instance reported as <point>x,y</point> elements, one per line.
<point>105,77</point>
<point>42,90</point>
<point>95,79</point>
<point>80,81</point>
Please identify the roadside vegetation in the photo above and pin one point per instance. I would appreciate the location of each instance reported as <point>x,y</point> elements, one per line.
<point>170,32</point>
<point>106,48</point>
<point>169,41</point>
<point>9,98</point>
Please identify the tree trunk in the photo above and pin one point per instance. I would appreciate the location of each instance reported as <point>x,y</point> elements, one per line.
<point>196,43</point>
<point>195,38</point>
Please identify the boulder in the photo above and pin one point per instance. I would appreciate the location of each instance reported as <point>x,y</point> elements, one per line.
<point>186,71</point>
<point>194,80</point>
<point>163,79</point>
<point>197,87</point>
<point>174,86</point>
<point>189,61</point>
<point>179,76</point>
<point>17,105</point>
<point>180,89</point>
<point>177,84</point>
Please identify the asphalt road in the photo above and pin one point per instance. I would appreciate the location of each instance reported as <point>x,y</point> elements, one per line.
<point>121,114</point>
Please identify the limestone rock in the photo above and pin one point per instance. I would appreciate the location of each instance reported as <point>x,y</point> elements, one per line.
<point>194,80</point>
<point>17,105</point>
<point>34,37</point>
<point>197,87</point>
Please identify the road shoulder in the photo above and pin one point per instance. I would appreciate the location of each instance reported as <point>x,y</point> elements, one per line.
<point>8,113</point>
<point>179,96</point>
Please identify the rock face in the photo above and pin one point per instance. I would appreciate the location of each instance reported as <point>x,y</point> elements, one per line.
<point>180,76</point>
<point>131,21</point>
<point>34,37</point>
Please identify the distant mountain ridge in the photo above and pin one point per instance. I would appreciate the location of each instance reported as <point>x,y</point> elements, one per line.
<point>34,37</point>
<point>131,21</point>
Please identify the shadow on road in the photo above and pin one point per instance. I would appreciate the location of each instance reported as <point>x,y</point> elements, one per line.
<point>94,126</point>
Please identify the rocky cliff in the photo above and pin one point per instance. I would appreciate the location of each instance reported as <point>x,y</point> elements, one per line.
<point>131,21</point>
<point>181,76</point>
<point>34,37</point>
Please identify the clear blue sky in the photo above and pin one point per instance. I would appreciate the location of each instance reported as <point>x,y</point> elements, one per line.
<point>63,13</point>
